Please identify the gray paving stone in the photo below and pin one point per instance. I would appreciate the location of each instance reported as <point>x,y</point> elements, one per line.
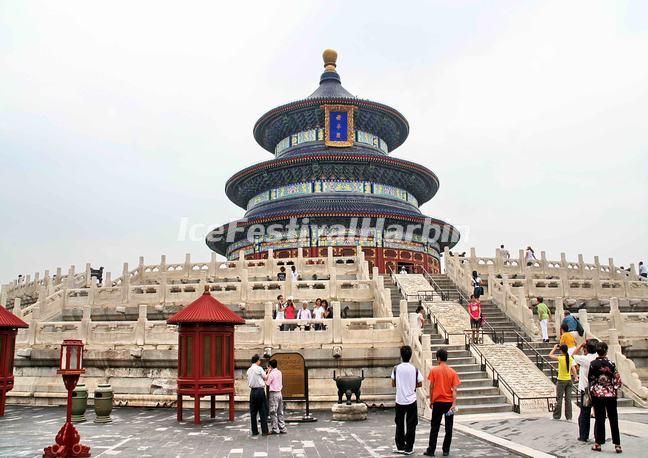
<point>25,431</point>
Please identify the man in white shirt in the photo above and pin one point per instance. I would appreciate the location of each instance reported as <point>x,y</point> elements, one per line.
<point>643,270</point>
<point>293,274</point>
<point>406,378</point>
<point>257,377</point>
<point>583,361</point>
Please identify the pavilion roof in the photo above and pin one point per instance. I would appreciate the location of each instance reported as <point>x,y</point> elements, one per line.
<point>9,320</point>
<point>206,309</point>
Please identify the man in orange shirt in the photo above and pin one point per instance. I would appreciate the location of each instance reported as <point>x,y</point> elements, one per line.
<point>443,401</point>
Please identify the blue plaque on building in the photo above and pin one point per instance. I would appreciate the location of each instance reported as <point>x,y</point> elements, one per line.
<point>338,125</point>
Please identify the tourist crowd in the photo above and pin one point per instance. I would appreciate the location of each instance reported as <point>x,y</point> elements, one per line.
<point>286,310</point>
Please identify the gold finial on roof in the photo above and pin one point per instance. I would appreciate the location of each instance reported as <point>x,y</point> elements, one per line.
<point>330,58</point>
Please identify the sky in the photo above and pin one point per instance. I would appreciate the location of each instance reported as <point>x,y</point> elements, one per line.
<point>121,120</point>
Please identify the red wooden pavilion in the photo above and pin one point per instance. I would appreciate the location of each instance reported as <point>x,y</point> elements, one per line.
<point>9,324</point>
<point>205,352</point>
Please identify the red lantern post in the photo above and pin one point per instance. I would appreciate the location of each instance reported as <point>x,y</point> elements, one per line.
<point>68,439</point>
<point>205,352</point>
<point>9,324</point>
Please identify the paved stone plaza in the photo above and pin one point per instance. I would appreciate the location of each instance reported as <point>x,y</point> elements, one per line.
<point>25,431</point>
<point>558,438</point>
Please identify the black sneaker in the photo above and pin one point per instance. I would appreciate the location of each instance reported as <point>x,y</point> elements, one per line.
<point>408,452</point>
<point>426,453</point>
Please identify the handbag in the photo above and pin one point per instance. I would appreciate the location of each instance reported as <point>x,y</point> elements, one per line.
<point>586,399</point>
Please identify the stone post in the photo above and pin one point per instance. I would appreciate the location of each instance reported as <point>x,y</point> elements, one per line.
<point>140,326</point>
<point>597,263</point>
<point>559,312</point>
<point>337,322</point>
<point>268,327</point>
<point>47,281</point>
<point>543,263</point>
<point>245,285</point>
<point>88,275</point>
<point>633,272</point>
<point>414,331</point>
<point>107,279</point>
<point>332,283</point>
<point>59,273</point>
<point>563,260</point>
<point>16,306</point>
<point>472,262</point>
<point>584,321</point>
<point>581,265</point>
<point>491,281</point>
<point>163,262</point>
<point>3,298</point>
<point>403,309</point>
<point>33,324</point>
<point>564,282</point>
<point>521,262</point>
<point>92,293</point>
<point>499,259</point>
<point>299,262</point>
<point>270,264</point>
<point>187,265</point>
<point>596,283</point>
<point>616,319</point>
<point>426,344</point>
<point>162,293</point>
<point>17,310</point>
<point>125,284</point>
<point>42,297</point>
<point>329,260</point>
<point>613,273</point>
<point>84,326</point>
<point>140,269</point>
<point>614,346</point>
<point>212,264</point>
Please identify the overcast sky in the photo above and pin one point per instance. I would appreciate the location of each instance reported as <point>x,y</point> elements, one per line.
<point>117,119</point>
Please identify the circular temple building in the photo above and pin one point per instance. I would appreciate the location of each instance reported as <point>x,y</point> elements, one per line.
<point>332,183</point>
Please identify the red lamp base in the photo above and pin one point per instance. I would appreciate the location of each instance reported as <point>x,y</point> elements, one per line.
<point>67,444</point>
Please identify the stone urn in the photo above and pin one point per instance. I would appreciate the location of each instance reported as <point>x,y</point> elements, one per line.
<point>348,385</point>
<point>103,403</point>
<point>79,403</point>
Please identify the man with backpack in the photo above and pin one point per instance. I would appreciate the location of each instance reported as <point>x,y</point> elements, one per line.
<point>406,378</point>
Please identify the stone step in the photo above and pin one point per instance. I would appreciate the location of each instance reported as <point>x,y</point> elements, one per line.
<point>484,408</point>
<point>460,360</point>
<point>485,382</point>
<point>485,390</point>
<point>461,368</point>
<point>480,399</point>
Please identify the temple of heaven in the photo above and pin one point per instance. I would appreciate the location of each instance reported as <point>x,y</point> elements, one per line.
<point>332,183</point>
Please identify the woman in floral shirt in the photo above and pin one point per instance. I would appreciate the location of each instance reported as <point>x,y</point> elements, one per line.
<point>604,382</point>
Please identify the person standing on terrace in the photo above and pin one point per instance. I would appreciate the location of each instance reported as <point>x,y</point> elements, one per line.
<point>504,252</point>
<point>643,270</point>
<point>543,315</point>
<point>564,383</point>
<point>583,362</point>
<point>529,256</point>
<point>293,274</point>
<point>604,385</point>
<point>474,310</point>
<point>406,378</point>
<point>443,401</point>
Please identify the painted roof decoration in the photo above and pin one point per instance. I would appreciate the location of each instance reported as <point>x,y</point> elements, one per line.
<point>9,320</point>
<point>206,309</point>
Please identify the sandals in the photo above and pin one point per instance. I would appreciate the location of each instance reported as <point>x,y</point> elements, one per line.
<point>597,448</point>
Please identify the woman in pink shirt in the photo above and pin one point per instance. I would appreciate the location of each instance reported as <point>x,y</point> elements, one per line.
<point>474,310</point>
